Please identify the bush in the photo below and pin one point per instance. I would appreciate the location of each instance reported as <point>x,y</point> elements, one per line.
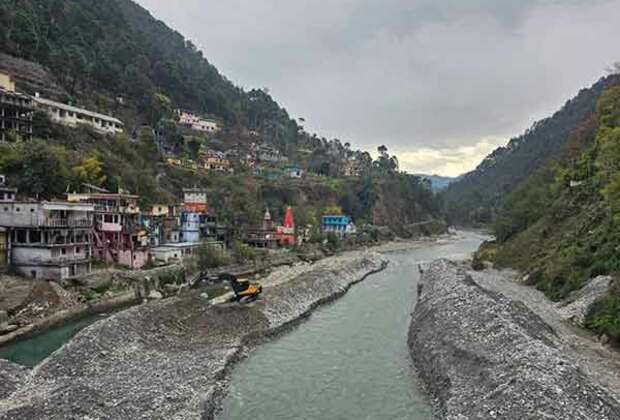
<point>604,315</point>
<point>243,252</point>
<point>209,256</point>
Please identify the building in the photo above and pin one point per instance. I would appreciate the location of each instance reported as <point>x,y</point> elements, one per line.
<point>195,200</point>
<point>217,161</point>
<point>293,172</point>
<point>339,224</point>
<point>194,122</point>
<point>178,252</point>
<point>190,227</point>
<point>16,110</point>
<point>286,232</point>
<point>50,241</point>
<point>72,116</point>
<point>5,249</point>
<point>119,236</point>
<point>270,154</point>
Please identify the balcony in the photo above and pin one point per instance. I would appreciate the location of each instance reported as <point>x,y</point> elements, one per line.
<point>67,223</point>
<point>109,227</point>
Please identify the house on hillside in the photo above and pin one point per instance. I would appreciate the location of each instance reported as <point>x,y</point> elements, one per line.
<point>191,121</point>
<point>72,116</point>
<point>293,172</point>
<point>16,110</point>
<point>350,168</point>
<point>270,154</point>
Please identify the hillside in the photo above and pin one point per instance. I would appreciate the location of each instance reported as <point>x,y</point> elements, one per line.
<point>114,57</point>
<point>561,224</point>
<point>478,195</point>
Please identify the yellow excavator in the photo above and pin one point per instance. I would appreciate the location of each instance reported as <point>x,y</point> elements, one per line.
<point>245,291</point>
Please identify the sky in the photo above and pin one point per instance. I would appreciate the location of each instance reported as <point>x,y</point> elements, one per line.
<point>440,82</point>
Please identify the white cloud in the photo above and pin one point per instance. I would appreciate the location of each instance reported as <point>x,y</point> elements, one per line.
<point>447,161</point>
<point>412,74</point>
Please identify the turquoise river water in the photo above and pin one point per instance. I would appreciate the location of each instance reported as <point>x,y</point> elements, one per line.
<point>350,359</point>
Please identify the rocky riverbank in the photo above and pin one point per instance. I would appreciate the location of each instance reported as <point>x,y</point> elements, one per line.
<point>484,355</point>
<point>169,359</point>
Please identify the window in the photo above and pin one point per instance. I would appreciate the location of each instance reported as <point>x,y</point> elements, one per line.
<point>17,209</point>
<point>63,251</point>
<point>77,250</point>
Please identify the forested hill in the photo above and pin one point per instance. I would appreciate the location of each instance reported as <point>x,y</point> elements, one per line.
<point>102,50</point>
<point>477,196</point>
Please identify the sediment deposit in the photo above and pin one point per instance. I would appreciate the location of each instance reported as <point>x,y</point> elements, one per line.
<point>169,359</point>
<point>485,356</point>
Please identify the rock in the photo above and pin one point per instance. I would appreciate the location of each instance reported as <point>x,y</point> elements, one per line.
<point>4,318</point>
<point>155,295</point>
<point>604,339</point>
<point>7,328</point>
<point>576,307</point>
<point>12,376</point>
<point>494,357</point>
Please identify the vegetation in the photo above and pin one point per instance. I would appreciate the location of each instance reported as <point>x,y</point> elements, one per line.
<point>479,196</point>
<point>604,315</point>
<point>562,223</point>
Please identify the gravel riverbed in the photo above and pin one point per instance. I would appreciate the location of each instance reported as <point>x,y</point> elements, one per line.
<point>490,348</point>
<point>170,359</point>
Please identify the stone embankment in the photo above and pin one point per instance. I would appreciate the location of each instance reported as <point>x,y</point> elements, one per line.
<point>169,359</point>
<point>486,356</point>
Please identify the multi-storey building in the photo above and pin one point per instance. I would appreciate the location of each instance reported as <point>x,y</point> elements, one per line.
<point>72,116</point>
<point>16,110</point>
<point>194,122</point>
<point>117,231</point>
<point>51,241</point>
<point>341,225</point>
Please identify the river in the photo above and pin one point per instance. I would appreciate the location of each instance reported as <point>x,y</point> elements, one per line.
<point>349,360</point>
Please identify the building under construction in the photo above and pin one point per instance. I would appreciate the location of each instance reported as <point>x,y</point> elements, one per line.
<point>16,111</point>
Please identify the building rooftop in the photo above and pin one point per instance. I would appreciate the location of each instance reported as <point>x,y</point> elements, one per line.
<point>77,110</point>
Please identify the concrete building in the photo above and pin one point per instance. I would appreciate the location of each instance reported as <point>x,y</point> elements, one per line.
<point>195,200</point>
<point>72,116</point>
<point>341,225</point>
<point>16,110</point>
<point>270,154</point>
<point>194,122</point>
<point>293,172</point>
<point>50,241</point>
<point>190,227</point>
<point>5,249</point>
<point>217,162</point>
<point>119,237</point>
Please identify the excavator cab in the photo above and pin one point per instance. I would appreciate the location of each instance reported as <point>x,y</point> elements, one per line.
<point>245,291</point>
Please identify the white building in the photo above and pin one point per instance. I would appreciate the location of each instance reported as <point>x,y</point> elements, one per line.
<point>50,241</point>
<point>72,116</point>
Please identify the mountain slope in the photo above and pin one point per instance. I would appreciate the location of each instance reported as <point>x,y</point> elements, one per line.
<point>100,50</point>
<point>476,197</point>
<point>562,224</point>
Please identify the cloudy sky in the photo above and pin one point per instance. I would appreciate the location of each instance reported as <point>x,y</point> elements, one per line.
<point>440,82</point>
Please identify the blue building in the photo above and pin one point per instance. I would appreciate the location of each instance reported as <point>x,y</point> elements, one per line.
<point>190,227</point>
<point>339,224</point>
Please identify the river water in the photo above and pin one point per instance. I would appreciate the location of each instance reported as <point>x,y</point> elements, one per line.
<point>350,359</point>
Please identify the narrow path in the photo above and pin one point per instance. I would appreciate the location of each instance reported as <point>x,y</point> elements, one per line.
<point>600,363</point>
